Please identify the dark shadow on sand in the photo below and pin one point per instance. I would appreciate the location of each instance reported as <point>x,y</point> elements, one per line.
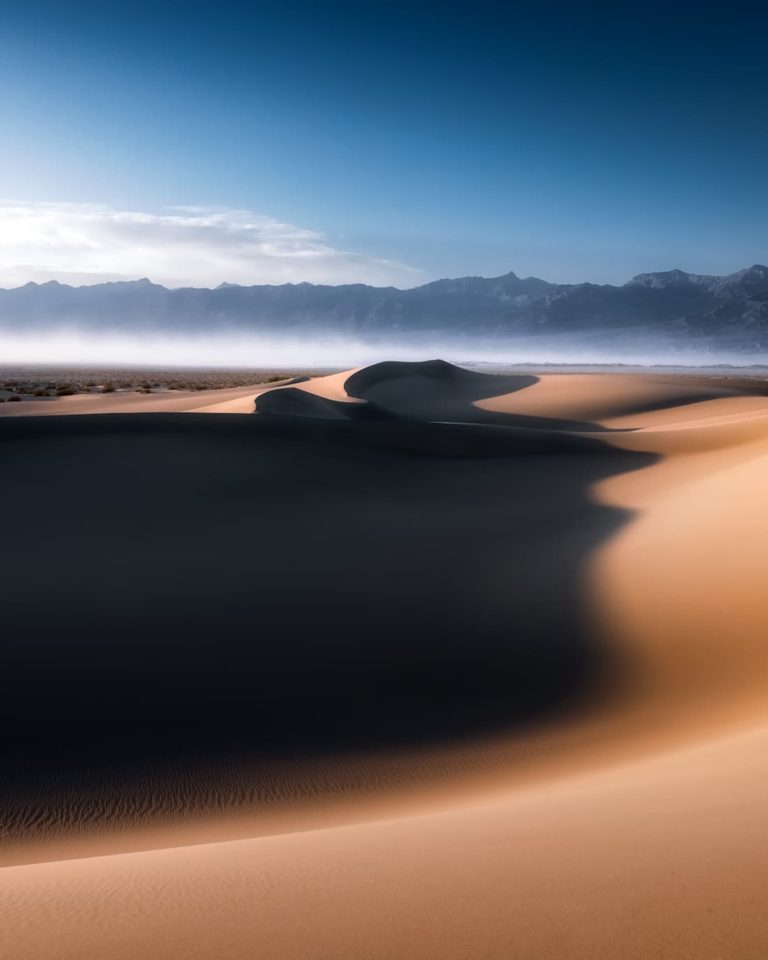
<point>180,588</point>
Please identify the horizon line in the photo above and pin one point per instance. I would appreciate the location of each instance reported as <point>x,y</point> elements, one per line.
<point>307,283</point>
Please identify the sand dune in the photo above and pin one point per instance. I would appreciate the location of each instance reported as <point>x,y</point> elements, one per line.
<point>659,858</point>
<point>417,662</point>
<point>227,400</point>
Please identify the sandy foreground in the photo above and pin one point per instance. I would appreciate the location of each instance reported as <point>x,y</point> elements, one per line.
<point>416,662</point>
<point>228,400</point>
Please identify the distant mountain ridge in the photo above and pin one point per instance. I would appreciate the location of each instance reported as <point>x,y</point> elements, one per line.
<point>676,304</point>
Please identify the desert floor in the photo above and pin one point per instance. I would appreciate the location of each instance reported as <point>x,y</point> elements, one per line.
<point>412,662</point>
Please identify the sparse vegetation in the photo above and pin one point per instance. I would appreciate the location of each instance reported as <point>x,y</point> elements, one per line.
<point>41,383</point>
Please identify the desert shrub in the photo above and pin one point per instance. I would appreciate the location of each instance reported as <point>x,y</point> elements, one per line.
<point>107,388</point>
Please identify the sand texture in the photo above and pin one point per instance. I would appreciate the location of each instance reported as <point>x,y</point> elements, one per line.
<point>405,662</point>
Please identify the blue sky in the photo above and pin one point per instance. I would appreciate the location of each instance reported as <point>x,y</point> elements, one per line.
<point>380,142</point>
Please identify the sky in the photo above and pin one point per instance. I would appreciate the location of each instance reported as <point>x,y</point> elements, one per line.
<point>381,142</point>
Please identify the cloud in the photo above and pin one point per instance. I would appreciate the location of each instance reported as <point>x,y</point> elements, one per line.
<point>181,246</point>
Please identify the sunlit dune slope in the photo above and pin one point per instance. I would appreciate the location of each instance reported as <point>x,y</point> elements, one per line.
<point>227,400</point>
<point>663,857</point>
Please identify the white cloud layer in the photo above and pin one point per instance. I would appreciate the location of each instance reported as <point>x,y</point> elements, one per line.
<point>183,246</point>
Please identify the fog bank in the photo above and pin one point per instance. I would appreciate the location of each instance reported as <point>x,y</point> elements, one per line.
<point>238,349</point>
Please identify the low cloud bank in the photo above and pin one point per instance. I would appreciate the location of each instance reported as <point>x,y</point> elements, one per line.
<point>253,350</point>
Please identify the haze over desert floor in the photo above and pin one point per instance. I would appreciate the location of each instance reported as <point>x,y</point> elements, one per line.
<point>406,661</point>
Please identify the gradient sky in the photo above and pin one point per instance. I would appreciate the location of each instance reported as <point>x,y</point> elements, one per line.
<point>383,142</point>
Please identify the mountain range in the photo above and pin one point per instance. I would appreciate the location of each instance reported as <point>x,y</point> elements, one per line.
<point>681,306</point>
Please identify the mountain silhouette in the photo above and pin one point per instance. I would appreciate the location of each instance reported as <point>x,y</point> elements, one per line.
<point>732,309</point>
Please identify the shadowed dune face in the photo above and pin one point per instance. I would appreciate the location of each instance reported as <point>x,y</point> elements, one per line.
<point>432,390</point>
<point>188,589</point>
